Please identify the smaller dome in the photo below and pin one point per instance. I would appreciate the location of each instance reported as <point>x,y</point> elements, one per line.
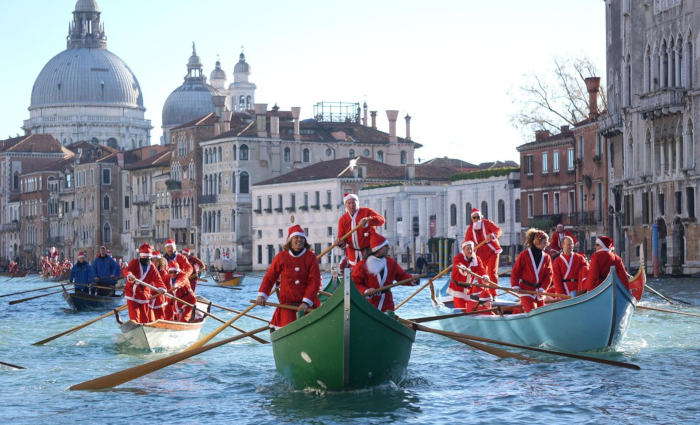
<point>217,73</point>
<point>194,61</point>
<point>86,6</point>
<point>242,65</point>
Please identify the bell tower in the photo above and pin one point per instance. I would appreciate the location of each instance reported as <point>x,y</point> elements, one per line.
<point>86,30</point>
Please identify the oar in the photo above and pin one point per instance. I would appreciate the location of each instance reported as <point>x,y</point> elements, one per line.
<point>220,286</point>
<point>387,287</point>
<point>34,297</point>
<point>328,294</point>
<point>126,375</point>
<point>12,365</point>
<point>345,236</point>
<point>238,311</point>
<point>450,316</point>
<point>201,279</point>
<point>417,326</point>
<point>522,291</point>
<point>285,306</point>
<point>662,296</point>
<point>31,290</point>
<point>495,286</point>
<point>498,352</point>
<point>668,311</point>
<point>84,325</point>
<point>429,282</point>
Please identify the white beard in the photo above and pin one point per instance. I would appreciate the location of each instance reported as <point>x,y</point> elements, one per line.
<point>375,265</point>
<point>477,225</point>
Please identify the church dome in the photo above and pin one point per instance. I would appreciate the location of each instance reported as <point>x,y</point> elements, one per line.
<point>242,65</point>
<point>217,73</point>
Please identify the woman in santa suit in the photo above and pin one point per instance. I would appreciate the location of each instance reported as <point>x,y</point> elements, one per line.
<point>159,304</point>
<point>138,296</point>
<point>378,270</point>
<point>532,270</point>
<point>569,269</point>
<point>296,267</point>
<point>465,297</point>
<point>180,287</point>
<point>602,259</point>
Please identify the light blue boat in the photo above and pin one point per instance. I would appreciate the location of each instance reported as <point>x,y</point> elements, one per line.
<point>593,321</point>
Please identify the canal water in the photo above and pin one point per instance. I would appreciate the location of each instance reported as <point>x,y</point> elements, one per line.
<point>447,382</point>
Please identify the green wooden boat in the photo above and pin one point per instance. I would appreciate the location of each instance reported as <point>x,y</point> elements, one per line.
<point>344,344</point>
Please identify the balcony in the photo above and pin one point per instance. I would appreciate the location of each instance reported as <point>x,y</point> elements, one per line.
<point>143,198</point>
<point>610,124</point>
<point>180,223</point>
<point>207,199</point>
<point>173,184</point>
<point>665,101</point>
<point>11,227</point>
<point>545,221</point>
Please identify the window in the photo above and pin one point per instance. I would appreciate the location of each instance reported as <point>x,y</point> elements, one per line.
<point>467,213</point>
<point>555,206</point>
<point>528,165</point>
<point>329,231</point>
<point>126,201</point>
<point>317,197</point>
<point>662,205</point>
<point>259,254</point>
<point>517,211</point>
<point>233,151</point>
<point>287,155</point>
<point>329,152</point>
<point>679,202</point>
<point>570,159</point>
<point>280,202</point>
<point>580,147</point>
<point>545,203</point>
<point>545,162</point>
<point>280,233</point>
<point>600,202</point>
<point>244,184</point>
<point>646,219</point>
<point>305,155</point>
<point>501,211</point>
<point>365,153</point>
<point>351,154</point>
<point>107,233</point>
<point>404,157</point>
<point>571,202</point>
<point>380,156</point>
<point>485,209</point>
<point>243,154</point>
<point>690,201</point>
<point>530,207</point>
<point>599,145</point>
<point>105,203</point>
<point>453,215</point>
<point>555,161</point>
<point>106,176</point>
<point>329,197</point>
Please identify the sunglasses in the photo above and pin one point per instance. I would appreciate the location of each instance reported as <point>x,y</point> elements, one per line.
<point>475,217</point>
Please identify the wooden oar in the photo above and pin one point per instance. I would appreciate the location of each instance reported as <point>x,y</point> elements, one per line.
<point>489,281</point>
<point>34,297</point>
<point>31,290</point>
<point>387,287</point>
<point>285,306</point>
<point>429,282</point>
<point>492,285</point>
<point>12,365</point>
<point>77,328</point>
<point>328,294</point>
<point>663,310</point>
<point>238,311</point>
<point>450,316</point>
<point>498,352</point>
<point>345,236</point>
<point>221,286</point>
<point>201,279</point>
<point>662,296</point>
<point>417,326</point>
<point>118,378</point>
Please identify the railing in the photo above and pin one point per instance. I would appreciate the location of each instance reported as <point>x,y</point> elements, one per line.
<point>11,227</point>
<point>142,198</point>
<point>180,223</point>
<point>587,218</point>
<point>545,221</point>
<point>208,199</point>
<point>664,101</point>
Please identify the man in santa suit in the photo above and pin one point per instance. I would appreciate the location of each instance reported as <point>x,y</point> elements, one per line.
<point>138,296</point>
<point>356,243</point>
<point>555,243</point>
<point>296,267</point>
<point>569,270</point>
<point>197,267</point>
<point>180,287</point>
<point>468,298</point>
<point>481,230</point>
<point>532,270</point>
<point>602,259</point>
<point>160,304</point>
<point>378,270</point>
<point>171,254</point>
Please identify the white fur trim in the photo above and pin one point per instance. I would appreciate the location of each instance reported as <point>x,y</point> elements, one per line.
<point>291,235</point>
<point>308,302</point>
<point>351,196</point>
<point>602,245</point>
<point>264,295</point>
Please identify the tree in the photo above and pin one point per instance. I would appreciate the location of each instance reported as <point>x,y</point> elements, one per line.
<point>547,102</point>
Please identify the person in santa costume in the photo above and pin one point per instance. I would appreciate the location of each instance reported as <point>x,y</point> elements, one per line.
<point>356,243</point>
<point>532,270</point>
<point>569,270</point>
<point>138,296</point>
<point>468,298</point>
<point>602,259</point>
<point>160,304</point>
<point>482,229</point>
<point>82,274</point>
<point>180,287</point>
<point>555,242</point>
<point>197,267</point>
<point>379,270</point>
<point>171,254</point>
<point>296,267</point>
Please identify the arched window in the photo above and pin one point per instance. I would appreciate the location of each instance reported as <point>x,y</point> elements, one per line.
<point>205,187</point>
<point>241,103</point>
<point>233,182</point>
<point>501,211</point>
<point>105,203</point>
<point>305,155</point>
<point>243,153</point>
<point>404,157</point>
<point>287,155</point>
<point>351,154</point>
<point>516,213</point>
<point>15,181</point>
<point>107,233</point>
<point>380,156</point>
<point>234,152</point>
<point>220,157</point>
<point>485,209</point>
<point>468,213</point>
<point>218,185</point>
<point>453,215</point>
<point>244,185</point>
<point>248,102</point>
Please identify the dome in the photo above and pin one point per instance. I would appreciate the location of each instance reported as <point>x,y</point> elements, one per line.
<point>86,6</point>
<point>189,101</point>
<point>217,73</point>
<point>86,76</point>
<point>242,65</point>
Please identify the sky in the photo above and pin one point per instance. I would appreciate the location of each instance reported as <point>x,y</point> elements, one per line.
<point>451,65</point>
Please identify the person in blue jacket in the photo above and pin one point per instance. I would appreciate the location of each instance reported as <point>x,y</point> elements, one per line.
<point>82,274</point>
<point>106,272</point>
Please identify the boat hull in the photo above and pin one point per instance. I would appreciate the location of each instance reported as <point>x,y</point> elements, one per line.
<point>82,301</point>
<point>344,344</point>
<point>593,321</point>
<point>234,281</point>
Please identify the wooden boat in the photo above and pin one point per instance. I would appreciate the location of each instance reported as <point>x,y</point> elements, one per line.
<point>59,277</point>
<point>229,278</point>
<point>592,321</point>
<point>164,334</point>
<point>81,301</point>
<point>346,343</point>
<point>22,273</point>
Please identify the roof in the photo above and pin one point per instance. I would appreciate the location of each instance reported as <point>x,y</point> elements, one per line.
<point>204,120</point>
<point>557,139</point>
<point>160,159</point>
<point>35,143</point>
<point>88,152</point>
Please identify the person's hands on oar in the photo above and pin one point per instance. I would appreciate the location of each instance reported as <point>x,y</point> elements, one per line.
<point>341,241</point>
<point>373,291</point>
<point>492,285</point>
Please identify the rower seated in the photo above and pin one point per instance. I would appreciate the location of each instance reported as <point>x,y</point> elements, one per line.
<point>569,269</point>
<point>466,296</point>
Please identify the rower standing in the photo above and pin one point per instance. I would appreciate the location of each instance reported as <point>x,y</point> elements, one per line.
<point>466,297</point>
<point>296,267</point>
<point>378,270</point>
<point>160,304</point>
<point>180,287</point>
<point>569,269</point>
<point>171,254</point>
<point>138,295</point>
<point>359,240</point>
<point>532,270</point>
<point>602,259</point>
<point>106,272</point>
<point>489,252</point>
<point>555,242</point>
<point>197,267</point>
<point>82,274</point>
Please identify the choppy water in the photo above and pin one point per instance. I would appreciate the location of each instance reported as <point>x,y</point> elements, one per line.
<point>447,382</point>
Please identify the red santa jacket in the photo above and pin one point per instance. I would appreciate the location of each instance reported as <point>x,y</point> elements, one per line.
<point>180,287</point>
<point>568,272</point>
<point>364,280</point>
<point>528,275</point>
<point>474,264</point>
<point>601,261</point>
<point>488,227</point>
<point>185,266</point>
<point>300,278</point>
<point>139,293</point>
<point>360,238</point>
<point>197,266</point>
<point>555,240</point>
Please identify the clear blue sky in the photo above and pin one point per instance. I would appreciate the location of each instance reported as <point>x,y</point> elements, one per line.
<point>449,64</point>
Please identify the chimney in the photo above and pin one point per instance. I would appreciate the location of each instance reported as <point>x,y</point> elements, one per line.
<point>391,115</point>
<point>217,128</point>
<point>226,121</point>
<point>373,114</point>
<point>408,127</point>
<point>541,135</point>
<point>295,114</point>
<point>275,122</point>
<point>219,104</point>
<point>364,114</point>
<point>564,129</point>
<point>260,119</point>
<point>120,159</point>
<point>411,171</point>
<point>592,85</point>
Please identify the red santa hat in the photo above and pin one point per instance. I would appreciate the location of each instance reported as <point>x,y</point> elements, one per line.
<point>377,241</point>
<point>170,242</point>
<point>81,254</point>
<point>156,254</point>
<point>145,251</point>
<point>605,242</point>
<point>348,196</point>
<point>186,251</point>
<point>173,266</point>
<point>475,211</point>
<point>295,230</point>
<point>465,243</point>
